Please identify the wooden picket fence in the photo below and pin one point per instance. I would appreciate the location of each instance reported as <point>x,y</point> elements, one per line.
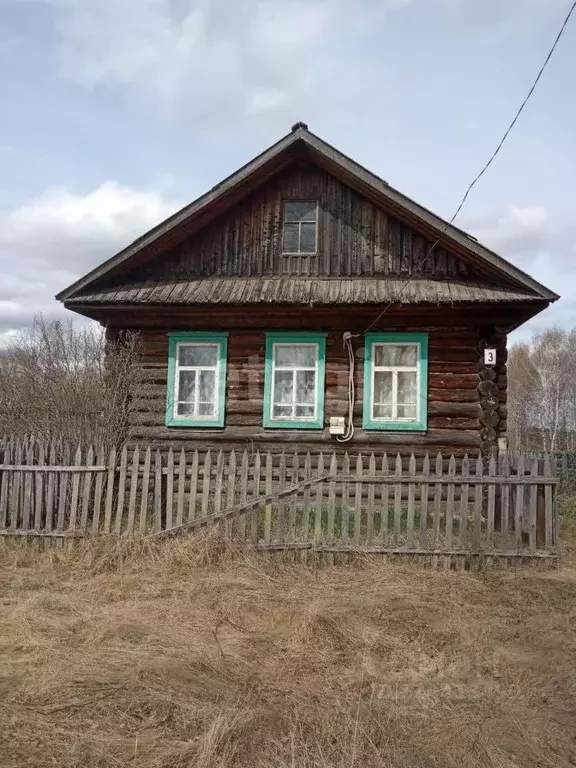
<point>430,506</point>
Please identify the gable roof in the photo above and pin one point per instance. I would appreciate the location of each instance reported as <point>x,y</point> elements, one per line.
<point>300,142</point>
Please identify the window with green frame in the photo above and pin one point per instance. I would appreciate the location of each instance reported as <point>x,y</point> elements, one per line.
<point>294,380</point>
<point>196,394</point>
<point>396,381</point>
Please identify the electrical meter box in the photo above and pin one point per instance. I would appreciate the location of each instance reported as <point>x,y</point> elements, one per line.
<point>337,425</point>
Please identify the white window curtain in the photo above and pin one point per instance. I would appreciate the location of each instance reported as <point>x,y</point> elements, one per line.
<point>395,382</point>
<point>197,377</point>
<point>295,377</point>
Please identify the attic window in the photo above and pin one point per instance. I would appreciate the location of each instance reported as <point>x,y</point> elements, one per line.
<point>300,226</point>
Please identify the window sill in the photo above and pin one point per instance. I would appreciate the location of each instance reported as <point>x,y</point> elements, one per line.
<point>293,425</point>
<point>374,426</point>
<point>194,424</point>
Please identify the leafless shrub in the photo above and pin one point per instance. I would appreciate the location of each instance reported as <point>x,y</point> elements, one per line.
<point>56,383</point>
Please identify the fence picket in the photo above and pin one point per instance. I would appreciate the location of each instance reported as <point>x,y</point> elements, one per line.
<point>319,501</point>
<point>533,506</point>
<point>158,491</point>
<point>345,515</point>
<point>464,494</point>
<point>358,502</point>
<point>281,503</point>
<point>490,515</point>
<point>437,502</point>
<point>294,499</point>
<point>306,500</point>
<point>39,499</point>
<point>424,490</point>
<point>28,479</point>
<point>75,490</point>
<point>398,501</point>
<point>133,490</point>
<point>144,500</point>
<point>231,492</point>
<point>121,490</point>
<point>243,495</point>
<point>268,507</point>
<point>86,491</point>
<point>109,492</point>
<point>518,512</point>
<point>15,495</point>
<point>5,481</point>
<point>170,489</point>
<point>255,514</point>
<point>478,493</point>
<point>218,482</point>
<point>450,493</point>
<point>504,493</point>
<point>385,502</point>
<point>181,487</point>
<point>332,500</point>
<point>370,502</point>
<point>411,503</point>
<point>206,479</point>
<point>98,490</point>
<point>549,506</point>
<point>192,498</point>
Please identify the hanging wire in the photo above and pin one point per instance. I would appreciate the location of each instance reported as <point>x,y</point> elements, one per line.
<point>483,171</point>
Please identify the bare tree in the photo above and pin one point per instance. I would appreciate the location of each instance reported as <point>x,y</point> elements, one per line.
<point>542,392</point>
<point>56,382</point>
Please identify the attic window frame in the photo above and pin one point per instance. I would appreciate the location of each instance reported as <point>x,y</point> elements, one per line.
<point>315,221</point>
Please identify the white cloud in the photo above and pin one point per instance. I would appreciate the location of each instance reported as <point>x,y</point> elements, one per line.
<point>545,248</point>
<point>527,229</point>
<point>218,59</point>
<point>214,58</point>
<point>48,243</point>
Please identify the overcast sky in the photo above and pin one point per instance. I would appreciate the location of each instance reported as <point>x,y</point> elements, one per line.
<point>117,112</point>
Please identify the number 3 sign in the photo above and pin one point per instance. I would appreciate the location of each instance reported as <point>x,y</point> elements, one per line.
<point>489,357</point>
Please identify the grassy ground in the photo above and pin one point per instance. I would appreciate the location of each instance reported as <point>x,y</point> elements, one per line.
<point>186,654</point>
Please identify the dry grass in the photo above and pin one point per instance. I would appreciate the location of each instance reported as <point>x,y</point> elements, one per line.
<point>187,654</point>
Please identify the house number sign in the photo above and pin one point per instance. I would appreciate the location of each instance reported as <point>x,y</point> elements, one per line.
<point>489,356</point>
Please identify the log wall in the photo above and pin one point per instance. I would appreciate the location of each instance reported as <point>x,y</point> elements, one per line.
<point>455,409</point>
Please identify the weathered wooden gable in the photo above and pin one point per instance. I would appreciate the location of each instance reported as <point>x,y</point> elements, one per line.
<point>355,238</point>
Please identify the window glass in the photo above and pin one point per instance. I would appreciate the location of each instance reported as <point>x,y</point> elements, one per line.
<point>300,211</point>
<point>294,381</point>
<point>198,354</point>
<point>196,385</point>
<point>291,238</point>
<point>300,227</point>
<point>295,355</point>
<point>395,372</point>
<point>395,354</point>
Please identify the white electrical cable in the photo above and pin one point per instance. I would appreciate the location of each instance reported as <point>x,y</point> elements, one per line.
<point>349,433</point>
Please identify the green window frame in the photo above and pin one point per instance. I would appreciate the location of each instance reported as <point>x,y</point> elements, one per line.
<point>395,422</point>
<point>316,420</point>
<point>218,369</point>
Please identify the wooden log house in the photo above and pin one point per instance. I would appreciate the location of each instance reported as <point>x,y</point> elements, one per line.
<point>303,297</point>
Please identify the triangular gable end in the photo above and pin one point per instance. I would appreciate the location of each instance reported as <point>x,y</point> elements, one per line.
<point>355,239</point>
<point>362,206</point>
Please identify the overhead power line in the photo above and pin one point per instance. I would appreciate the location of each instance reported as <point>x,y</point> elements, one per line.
<point>485,167</point>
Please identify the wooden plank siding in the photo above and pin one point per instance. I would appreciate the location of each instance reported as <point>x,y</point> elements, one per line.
<point>454,408</point>
<point>355,238</point>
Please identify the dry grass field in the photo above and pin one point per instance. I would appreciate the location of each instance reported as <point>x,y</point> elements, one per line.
<point>186,654</point>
